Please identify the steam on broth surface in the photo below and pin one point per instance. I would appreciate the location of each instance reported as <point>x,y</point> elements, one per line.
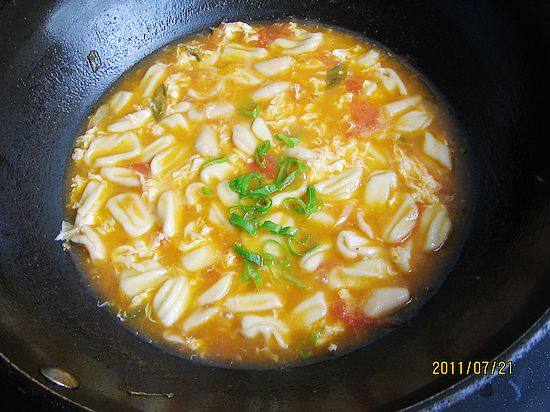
<point>264,193</point>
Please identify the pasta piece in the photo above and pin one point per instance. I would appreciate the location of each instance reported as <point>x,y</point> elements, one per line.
<point>130,211</point>
<point>270,90</point>
<point>198,318</point>
<point>303,44</point>
<point>175,122</point>
<point>253,302</point>
<point>390,80</point>
<point>261,130</point>
<point>153,78</point>
<point>90,201</point>
<point>216,172</point>
<point>171,300</point>
<point>402,256</point>
<point>323,218</point>
<point>111,150</point>
<point>91,241</point>
<point>193,193</point>
<point>341,186</point>
<point>157,146</point>
<point>100,114</point>
<point>244,139</point>
<point>379,187</point>
<point>363,225</point>
<point>311,310</point>
<point>217,291</point>
<point>227,196</point>
<point>435,227</point>
<point>369,59</point>
<point>237,52</point>
<point>274,66</point>
<point>252,325</point>
<point>278,199</point>
<point>282,219</point>
<point>181,107</point>
<point>413,121</point>
<point>218,110</point>
<point>121,176</point>
<point>356,275</point>
<point>169,160</point>
<point>312,260</point>
<point>218,217</point>
<point>199,258</point>
<point>400,106</point>
<point>150,275</point>
<point>403,219</point>
<point>120,101</point>
<point>351,245</point>
<point>170,212</point>
<point>242,76</point>
<point>131,121</point>
<point>437,150</point>
<point>207,142</point>
<point>385,301</point>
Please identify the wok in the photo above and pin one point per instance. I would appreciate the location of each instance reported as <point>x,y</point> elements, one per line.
<point>486,58</point>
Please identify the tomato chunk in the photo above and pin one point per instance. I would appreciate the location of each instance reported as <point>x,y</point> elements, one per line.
<point>351,317</point>
<point>354,84</point>
<point>143,169</point>
<point>328,59</point>
<point>270,169</point>
<point>270,33</point>
<point>363,114</point>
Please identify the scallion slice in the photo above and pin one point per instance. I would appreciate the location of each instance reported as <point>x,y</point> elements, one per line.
<point>248,255</point>
<point>223,159</point>
<point>290,141</point>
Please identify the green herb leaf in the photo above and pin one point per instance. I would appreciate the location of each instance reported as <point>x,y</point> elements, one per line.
<point>249,226</point>
<point>250,272</point>
<point>159,101</point>
<point>261,153</point>
<point>335,75</point>
<point>290,141</point>
<point>223,159</point>
<point>278,229</point>
<point>248,255</point>
<point>206,191</point>
<point>251,109</point>
<point>301,247</point>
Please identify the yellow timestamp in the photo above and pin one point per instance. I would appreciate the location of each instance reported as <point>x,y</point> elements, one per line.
<point>472,367</point>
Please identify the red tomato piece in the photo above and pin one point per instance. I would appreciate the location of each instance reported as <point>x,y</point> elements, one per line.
<point>354,84</point>
<point>143,169</point>
<point>270,33</point>
<point>270,169</point>
<point>328,59</point>
<point>363,114</point>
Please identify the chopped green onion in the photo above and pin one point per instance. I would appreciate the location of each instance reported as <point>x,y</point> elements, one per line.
<point>302,207</point>
<point>278,229</point>
<point>242,184</point>
<point>261,153</point>
<point>304,354</point>
<point>335,75</point>
<point>251,109</point>
<point>251,273</point>
<point>223,159</point>
<point>290,141</point>
<point>206,191</point>
<point>280,253</point>
<point>249,226</point>
<point>292,241</point>
<point>315,337</point>
<point>248,255</point>
<point>159,101</point>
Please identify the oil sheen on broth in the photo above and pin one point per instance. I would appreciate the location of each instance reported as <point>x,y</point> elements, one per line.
<point>261,194</point>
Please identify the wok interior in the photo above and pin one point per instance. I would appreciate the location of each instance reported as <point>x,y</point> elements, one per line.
<point>483,59</point>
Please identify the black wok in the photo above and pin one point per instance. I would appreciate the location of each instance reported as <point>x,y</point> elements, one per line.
<point>488,59</point>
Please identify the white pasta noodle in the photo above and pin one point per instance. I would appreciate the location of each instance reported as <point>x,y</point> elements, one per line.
<point>278,199</point>
<point>379,187</point>
<point>170,212</point>
<point>435,227</point>
<point>153,77</point>
<point>226,195</point>
<point>269,91</point>
<point>400,106</point>
<point>369,87</point>
<point>311,310</point>
<point>363,225</point>
<point>181,107</point>
<point>274,66</point>
<point>198,318</point>
<point>149,276</point>
<point>302,44</point>
<point>369,59</point>
<point>261,130</point>
<point>90,201</point>
<point>357,274</point>
<point>323,218</point>
<point>110,150</point>
<point>130,211</point>
<point>157,146</point>
<point>217,291</point>
<point>402,256</point>
<point>244,139</point>
<point>120,101</point>
<point>351,245</point>
<point>121,176</point>
<point>312,260</point>
<point>242,76</point>
<point>218,217</point>
<point>218,110</point>
<point>413,121</point>
<point>171,300</point>
<point>131,121</point>
<point>193,193</point>
<point>91,241</point>
<point>217,172</point>
<point>199,258</point>
<point>437,150</point>
<point>282,219</point>
<point>403,219</point>
<point>235,51</point>
<point>253,302</point>
<point>384,301</point>
<point>99,115</point>
<point>390,80</point>
<point>169,160</point>
<point>207,142</point>
<point>252,325</point>
<point>175,122</point>
<point>342,185</point>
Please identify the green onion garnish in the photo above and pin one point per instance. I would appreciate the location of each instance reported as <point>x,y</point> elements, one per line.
<point>261,153</point>
<point>248,225</point>
<point>290,141</point>
<point>278,229</point>
<point>335,75</point>
<point>214,161</point>
<point>206,191</point>
<point>248,255</point>
<point>250,272</point>
<point>300,247</point>
<point>251,109</point>
<point>159,101</point>
<point>302,208</point>
<point>242,184</point>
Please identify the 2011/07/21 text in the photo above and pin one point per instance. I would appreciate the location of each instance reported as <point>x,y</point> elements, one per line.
<point>472,367</point>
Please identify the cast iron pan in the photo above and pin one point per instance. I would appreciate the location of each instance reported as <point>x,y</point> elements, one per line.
<point>487,59</point>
